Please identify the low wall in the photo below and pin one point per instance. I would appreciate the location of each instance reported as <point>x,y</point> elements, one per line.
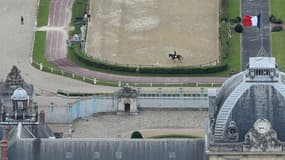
<point>84,108</point>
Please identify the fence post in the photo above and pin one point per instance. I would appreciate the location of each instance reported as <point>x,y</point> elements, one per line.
<point>159,92</point>
<point>180,92</point>
<point>41,66</point>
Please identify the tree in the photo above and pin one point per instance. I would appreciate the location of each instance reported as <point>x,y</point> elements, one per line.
<point>239,28</point>
<point>136,134</point>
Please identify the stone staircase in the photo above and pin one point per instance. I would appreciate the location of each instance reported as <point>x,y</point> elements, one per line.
<point>227,107</point>
<point>280,87</point>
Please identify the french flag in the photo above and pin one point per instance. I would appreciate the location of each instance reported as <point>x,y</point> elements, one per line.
<point>251,21</point>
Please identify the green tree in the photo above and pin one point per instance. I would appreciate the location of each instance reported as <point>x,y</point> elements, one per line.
<point>136,134</point>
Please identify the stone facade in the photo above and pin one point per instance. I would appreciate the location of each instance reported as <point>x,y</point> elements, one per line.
<point>127,101</point>
<point>13,81</point>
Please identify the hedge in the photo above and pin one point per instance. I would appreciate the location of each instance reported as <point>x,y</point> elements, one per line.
<point>235,20</point>
<point>277,29</point>
<point>82,58</point>
<point>275,20</point>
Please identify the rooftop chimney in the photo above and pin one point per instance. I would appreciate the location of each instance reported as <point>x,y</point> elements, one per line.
<point>42,117</point>
<point>4,146</point>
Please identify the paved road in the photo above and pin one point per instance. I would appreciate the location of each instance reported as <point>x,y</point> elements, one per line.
<point>56,52</point>
<point>16,49</point>
<point>253,38</point>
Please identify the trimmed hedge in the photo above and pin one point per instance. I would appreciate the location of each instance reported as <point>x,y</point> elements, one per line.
<point>275,20</point>
<point>277,29</point>
<point>176,136</point>
<point>74,94</point>
<point>235,20</point>
<point>153,70</point>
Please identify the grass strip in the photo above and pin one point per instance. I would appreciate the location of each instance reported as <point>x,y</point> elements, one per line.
<point>39,49</point>
<point>43,13</point>
<point>278,38</point>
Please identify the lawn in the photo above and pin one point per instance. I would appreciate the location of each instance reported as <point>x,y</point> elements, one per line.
<point>233,60</point>
<point>78,9</point>
<point>43,11</point>
<point>278,38</point>
<point>39,49</point>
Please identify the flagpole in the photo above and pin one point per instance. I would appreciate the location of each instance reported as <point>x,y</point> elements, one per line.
<point>261,27</point>
<point>262,51</point>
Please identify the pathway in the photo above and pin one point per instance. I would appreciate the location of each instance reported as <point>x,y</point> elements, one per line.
<point>16,49</point>
<point>255,41</point>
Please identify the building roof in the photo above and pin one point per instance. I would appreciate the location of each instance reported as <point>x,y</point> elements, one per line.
<point>107,149</point>
<point>20,94</point>
<point>261,62</point>
<point>243,99</point>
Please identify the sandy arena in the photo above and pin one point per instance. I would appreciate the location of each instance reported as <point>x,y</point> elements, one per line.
<point>146,31</point>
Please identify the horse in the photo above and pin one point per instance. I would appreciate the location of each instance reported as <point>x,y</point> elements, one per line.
<point>177,56</point>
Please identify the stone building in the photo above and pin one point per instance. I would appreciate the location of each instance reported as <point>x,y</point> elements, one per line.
<point>29,138</point>
<point>246,122</point>
<point>247,116</point>
<point>13,81</point>
<point>127,100</point>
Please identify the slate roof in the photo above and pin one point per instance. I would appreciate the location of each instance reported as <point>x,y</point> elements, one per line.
<point>244,101</point>
<point>107,149</point>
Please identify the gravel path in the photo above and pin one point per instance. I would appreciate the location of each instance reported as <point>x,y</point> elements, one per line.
<point>150,122</point>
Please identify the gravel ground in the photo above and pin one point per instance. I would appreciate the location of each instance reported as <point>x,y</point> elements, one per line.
<point>145,31</point>
<point>149,122</point>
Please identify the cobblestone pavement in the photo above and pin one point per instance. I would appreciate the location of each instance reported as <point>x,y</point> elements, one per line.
<point>149,122</point>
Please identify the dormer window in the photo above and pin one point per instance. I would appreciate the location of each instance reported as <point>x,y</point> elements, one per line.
<point>262,69</point>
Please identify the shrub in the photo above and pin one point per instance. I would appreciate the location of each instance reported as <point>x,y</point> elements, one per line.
<point>235,20</point>
<point>239,28</point>
<point>224,18</point>
<point>276,29</point>
<point>136,135</point>
<point>275,20</point>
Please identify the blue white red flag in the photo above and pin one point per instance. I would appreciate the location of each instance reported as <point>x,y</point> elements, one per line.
<point>251,21</point>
